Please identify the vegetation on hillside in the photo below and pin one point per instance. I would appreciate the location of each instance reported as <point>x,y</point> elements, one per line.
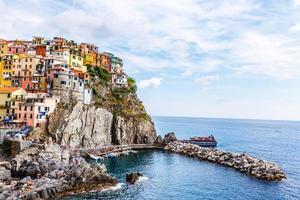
<point>120,101</point>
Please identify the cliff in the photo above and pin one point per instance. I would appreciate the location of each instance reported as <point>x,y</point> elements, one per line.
<point>116,116</point>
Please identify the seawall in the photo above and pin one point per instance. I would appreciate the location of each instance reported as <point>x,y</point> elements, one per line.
<point>242,162</point>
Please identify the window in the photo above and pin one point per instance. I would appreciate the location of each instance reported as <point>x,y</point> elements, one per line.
<point>55,75</point>
<point>30,116</point>
<point>25,108</point>
<point>8,95</point>
<point>19,115</point>
<point>31,108</point>
<point>63,82</point>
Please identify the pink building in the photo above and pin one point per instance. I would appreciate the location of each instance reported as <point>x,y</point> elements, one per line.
<point>17,47</point>
<point>33,109</point>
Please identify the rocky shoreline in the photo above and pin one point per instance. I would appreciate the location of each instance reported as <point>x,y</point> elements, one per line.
<point>244,163</point>
<point>48,171</point>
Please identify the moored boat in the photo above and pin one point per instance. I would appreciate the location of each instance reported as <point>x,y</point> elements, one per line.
<point>209,141</point>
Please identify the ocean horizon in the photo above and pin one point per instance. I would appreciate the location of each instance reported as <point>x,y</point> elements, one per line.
<point>227,118</point>
<point>172,176</point>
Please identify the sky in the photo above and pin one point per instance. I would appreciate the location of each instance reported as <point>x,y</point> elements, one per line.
<point>196,58</point>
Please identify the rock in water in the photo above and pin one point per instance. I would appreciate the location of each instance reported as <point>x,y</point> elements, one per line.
<point>159,141</point>
<point>170,137</point>
<point>133,177</point>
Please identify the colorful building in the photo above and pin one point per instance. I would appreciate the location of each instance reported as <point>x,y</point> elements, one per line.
<point>89,59</point>
<point>6,70</point>
<point>17,47</point>
<point>34,84</point>
<point>33,109</point>
<point>86,48</point>
<point>27,65</point>
<point>105,61</point>
<point>76,61</point>
<point>116,63</point>
<point>8,94</point>
<point>3,47</point>
<point>38,40</point>
<point>40,50</point>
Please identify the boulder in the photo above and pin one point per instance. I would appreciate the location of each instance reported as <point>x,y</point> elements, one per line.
<point>5,172</point>
<point>159,141</point>
<point>170,137</point>
<point>133,177</point>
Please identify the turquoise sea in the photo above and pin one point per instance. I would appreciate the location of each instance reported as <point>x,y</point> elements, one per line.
<point>171,176</point>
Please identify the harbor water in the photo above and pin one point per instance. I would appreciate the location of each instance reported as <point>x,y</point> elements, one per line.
<point>172,176</point>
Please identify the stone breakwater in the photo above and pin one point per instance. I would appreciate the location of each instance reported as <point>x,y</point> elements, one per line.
<point>247,164</point>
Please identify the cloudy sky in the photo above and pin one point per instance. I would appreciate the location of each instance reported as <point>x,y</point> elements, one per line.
<point>216,58</point>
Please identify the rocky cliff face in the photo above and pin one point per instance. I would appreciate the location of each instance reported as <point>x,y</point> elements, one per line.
<point>86,126</point>
<point>116,116</point>
<point>132,131</point>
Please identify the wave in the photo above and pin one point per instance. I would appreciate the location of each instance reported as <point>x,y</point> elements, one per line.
<point>114,188</point>
<point>143,178</point>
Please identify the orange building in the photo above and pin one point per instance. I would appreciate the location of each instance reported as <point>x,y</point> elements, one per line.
<point>105,61</point>
<point>41,50</point>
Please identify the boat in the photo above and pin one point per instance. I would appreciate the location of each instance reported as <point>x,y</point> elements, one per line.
<point>209,141</point>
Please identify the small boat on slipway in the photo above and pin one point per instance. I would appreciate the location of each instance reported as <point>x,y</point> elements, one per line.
<point>209,141</point>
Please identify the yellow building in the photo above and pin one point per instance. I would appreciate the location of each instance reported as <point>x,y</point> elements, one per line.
<point>76,61</point>
<point>6,95</point>
<point>3,47</point>
<point>5,70</point>
<point>89,59</point>
<point>38,40</point>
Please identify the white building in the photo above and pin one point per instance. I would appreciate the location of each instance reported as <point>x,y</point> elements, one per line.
<point>87,96</point>
<point>44,109</point>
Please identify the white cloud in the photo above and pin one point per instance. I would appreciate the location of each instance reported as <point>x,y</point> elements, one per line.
<point>295,28</point>
<point>296,2</point>
<point>206,80</point>
<point>150,83</point>
<point>269,55</point>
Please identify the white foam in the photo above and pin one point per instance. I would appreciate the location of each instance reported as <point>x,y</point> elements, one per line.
<point>114,188</point>
<point>143,178</point>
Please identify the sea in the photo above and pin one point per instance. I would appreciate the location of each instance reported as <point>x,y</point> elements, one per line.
<point>175,177</point>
